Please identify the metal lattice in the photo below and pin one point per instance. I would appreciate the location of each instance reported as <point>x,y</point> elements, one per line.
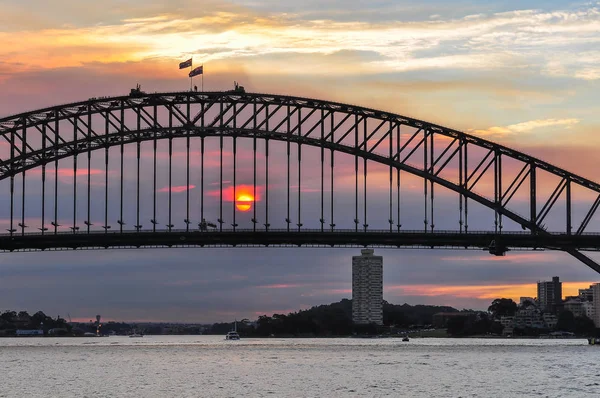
<point>477,171</point>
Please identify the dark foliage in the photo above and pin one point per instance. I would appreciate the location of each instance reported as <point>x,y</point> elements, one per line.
<point>332,320</point>
<point>502,307</point>
<point>404,316</point>
<point>10,321</point>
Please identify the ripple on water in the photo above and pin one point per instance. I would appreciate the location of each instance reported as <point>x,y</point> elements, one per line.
<point>190,366</point>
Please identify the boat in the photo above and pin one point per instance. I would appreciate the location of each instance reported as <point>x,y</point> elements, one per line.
<point>405,338</point>
<point>136,335</point>
<point>233,334</point>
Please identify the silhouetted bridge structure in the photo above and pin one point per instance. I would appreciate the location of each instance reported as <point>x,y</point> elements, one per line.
<point>243,169</point>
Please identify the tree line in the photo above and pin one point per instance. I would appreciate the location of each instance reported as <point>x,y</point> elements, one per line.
<point>332,320</point>
<point>11,321</point>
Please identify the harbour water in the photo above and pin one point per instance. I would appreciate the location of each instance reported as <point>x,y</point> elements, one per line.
<point>209,366</point>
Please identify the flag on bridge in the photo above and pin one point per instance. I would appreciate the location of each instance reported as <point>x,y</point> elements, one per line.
<point>197,71</point>
<point>185,64</point>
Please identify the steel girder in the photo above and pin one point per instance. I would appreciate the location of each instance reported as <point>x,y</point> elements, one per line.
<point>40,137</point>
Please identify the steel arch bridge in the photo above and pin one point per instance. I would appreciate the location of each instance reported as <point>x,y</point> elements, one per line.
<point>313,172</point>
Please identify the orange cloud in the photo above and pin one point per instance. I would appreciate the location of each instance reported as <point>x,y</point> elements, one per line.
<point>240,190</point>
<point>487,292</point>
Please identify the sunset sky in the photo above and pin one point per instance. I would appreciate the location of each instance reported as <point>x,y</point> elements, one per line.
<point>522,73</point>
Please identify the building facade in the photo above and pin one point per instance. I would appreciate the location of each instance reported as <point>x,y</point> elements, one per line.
<point>523,300</point>
<point>596,297</point>
<point>587,294</point>
<point>367,288</point>
<point>575,306</point>
<point>550,294</point>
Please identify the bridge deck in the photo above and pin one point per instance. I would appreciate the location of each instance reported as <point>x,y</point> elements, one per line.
<point>495,243</point>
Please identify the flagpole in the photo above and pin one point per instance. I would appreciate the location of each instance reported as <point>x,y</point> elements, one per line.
<point>191,77</point>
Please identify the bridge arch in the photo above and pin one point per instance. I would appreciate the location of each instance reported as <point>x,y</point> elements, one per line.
<point>37,138</point>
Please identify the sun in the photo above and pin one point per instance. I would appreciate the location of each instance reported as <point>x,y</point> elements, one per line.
<point>244,202</point>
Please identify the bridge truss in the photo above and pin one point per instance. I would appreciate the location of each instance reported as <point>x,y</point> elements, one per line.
<point>100,173</point>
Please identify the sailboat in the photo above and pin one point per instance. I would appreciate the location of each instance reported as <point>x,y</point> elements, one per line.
<point>233,334</point>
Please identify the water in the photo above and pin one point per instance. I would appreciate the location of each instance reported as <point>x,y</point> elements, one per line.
<point>209,366</point>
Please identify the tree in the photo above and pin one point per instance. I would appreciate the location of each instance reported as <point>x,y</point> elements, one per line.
<point>584,326</point>
<point>457,326</point>
<point>8,316</point>
<point>566,321</point>
<point>502,307</point>
<point>527,303</point>
<point>496,328</point>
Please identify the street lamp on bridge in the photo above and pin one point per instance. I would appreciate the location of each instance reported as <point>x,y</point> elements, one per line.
<point>22,226</point>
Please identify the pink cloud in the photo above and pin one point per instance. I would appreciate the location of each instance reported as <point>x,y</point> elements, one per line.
<point>176,189</point>
<point>281,286</point>
<point>523,257</point>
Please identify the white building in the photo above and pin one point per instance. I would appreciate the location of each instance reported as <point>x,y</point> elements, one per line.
<point>575,306</point>
<point>367,288</point>
<point>588,309</point>
<point>586,294</point>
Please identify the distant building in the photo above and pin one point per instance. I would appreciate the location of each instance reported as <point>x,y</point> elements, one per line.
<point>530,317</point>
<point>575,306</point>
<point>586,294</point>
<point>550,320</point>
<point>367,288</point>
<point>550,295</point>
<point>522,300</point>
<point>588,309</point>
<point>596,317</point>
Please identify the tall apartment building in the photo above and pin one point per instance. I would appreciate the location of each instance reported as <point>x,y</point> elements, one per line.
<point>367,288</point>
<point>586,294</point>
<point>550,294</point>
<point>596,313</point>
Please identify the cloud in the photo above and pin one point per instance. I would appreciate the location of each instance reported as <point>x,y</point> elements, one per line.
<point>525,127</point>
<point>240,190</point>
<point>483,292</point>
<point>177,188</point>
<point>516,39</point>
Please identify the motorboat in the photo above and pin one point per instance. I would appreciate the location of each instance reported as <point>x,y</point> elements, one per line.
<point>233,334</point>
<point>405,338</point>
<point>136,335</point>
